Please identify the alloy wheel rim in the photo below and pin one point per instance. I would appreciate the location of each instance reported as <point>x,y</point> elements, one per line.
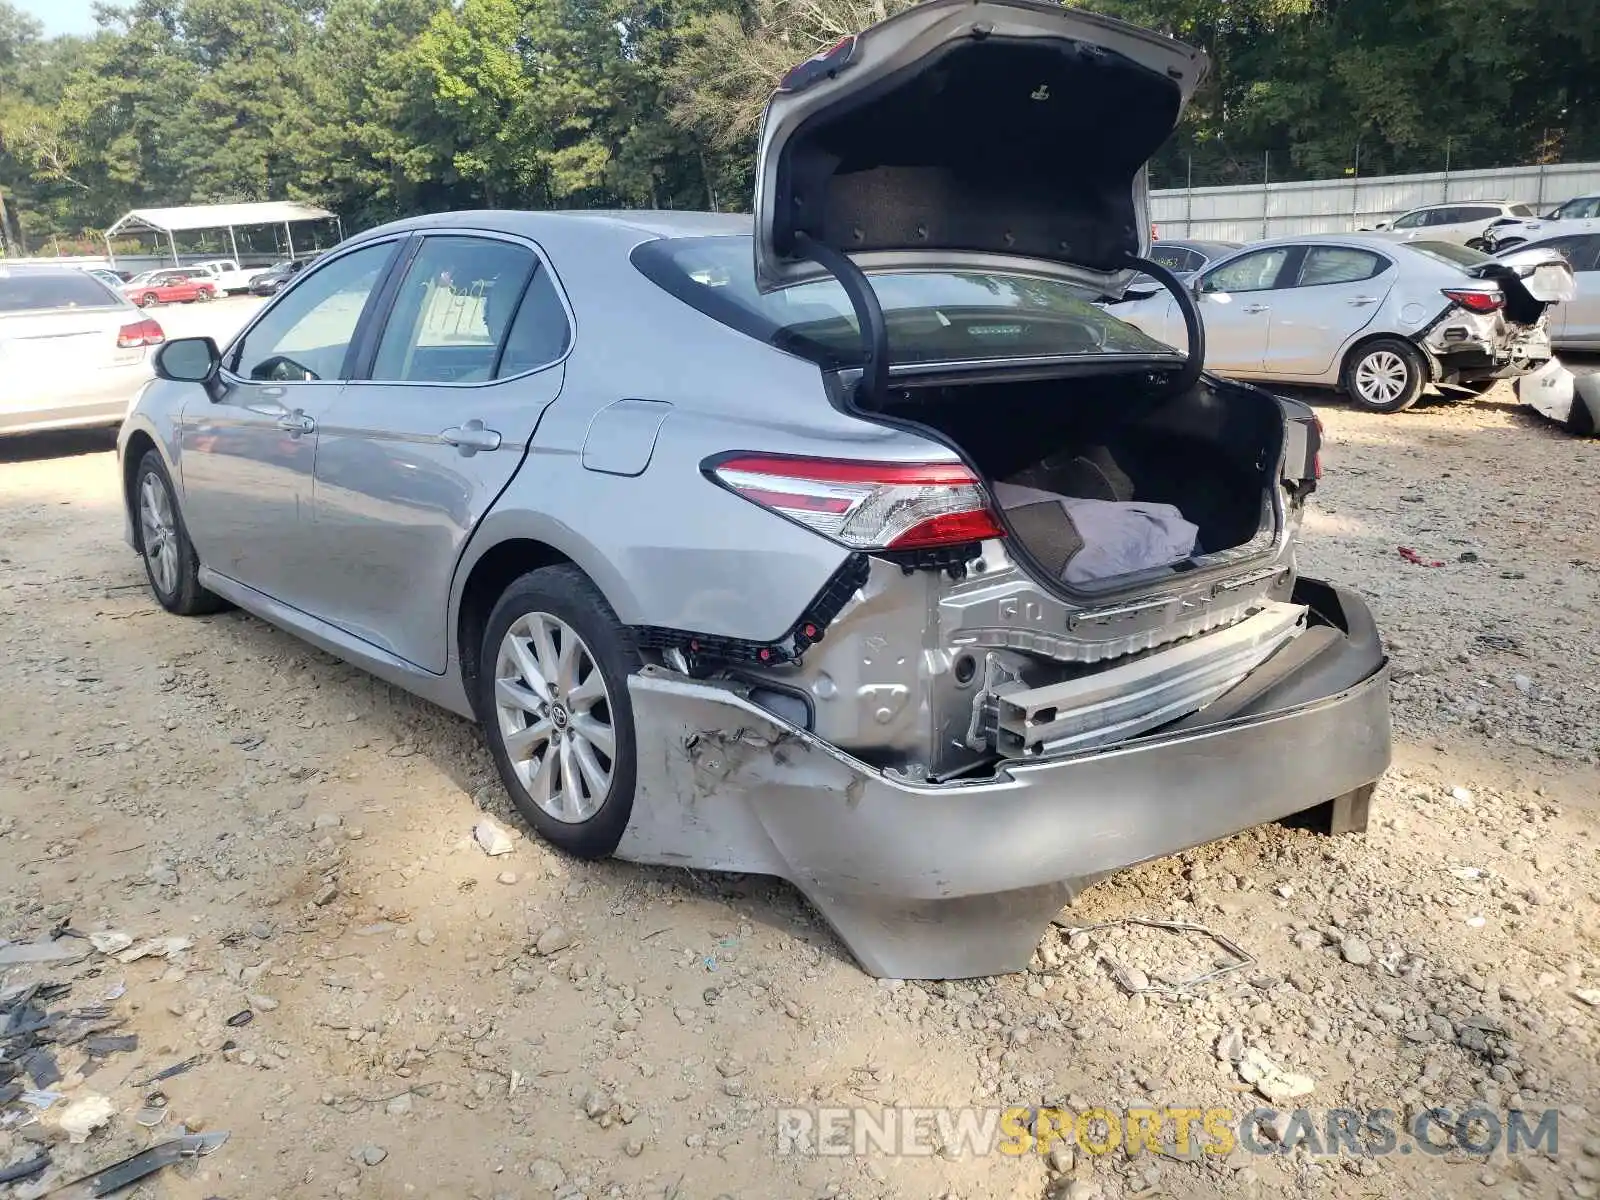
<point>1381,377</point>
<point>158,531</point>
<point>555,716</point>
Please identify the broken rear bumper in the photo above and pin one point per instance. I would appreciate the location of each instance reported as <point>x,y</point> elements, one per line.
<point>960,879</point>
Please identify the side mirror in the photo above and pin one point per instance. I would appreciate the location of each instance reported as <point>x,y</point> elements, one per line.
<point>1197,285</point>
<point>190,360</point>
<point>1381,225</point>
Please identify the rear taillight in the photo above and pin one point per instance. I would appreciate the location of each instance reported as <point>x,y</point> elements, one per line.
<point>147,332</point>
<point>1478,302</point>
<point>866,505</point>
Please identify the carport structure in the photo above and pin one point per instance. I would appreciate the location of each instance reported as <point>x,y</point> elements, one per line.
<point>229,217</point>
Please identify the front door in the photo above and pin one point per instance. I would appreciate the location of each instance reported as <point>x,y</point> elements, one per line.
<point>246,457</point>
<point>415,453</point>
<point>1236,305</point>
<point>1333,295</point>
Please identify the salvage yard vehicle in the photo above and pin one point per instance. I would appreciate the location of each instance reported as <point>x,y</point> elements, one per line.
<point>1377,319</point>
<point>1579,215</point>
<point>225,275</point>
<point>1467,223</point>
<point>1575,323</point>
<point>168,287</point>
<point>851,544</point>
<point>72,351</point>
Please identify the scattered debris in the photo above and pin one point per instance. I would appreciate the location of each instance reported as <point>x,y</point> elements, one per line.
<point>147,1162</point>
<point>175,1069</point>
<point>111,941</point>
<point>13,954</point>
<point>104,1044</point>
<point>1411,556</point>
<point>161,947</point>
<point>84,1115</point>
<point>493,837</point>
<point>243,1017</point>
<point>1140,984</point>
<point>26,1169</point>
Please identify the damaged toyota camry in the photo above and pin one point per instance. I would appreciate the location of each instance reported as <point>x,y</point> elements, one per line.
<point>851,543</point>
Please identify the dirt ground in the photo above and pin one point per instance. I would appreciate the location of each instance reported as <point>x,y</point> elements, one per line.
<point>432,1022</point>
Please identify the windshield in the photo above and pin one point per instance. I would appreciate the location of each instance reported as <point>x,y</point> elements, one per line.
<point>26,292</point>
<point>1449,252</point>
<point>933,316</point>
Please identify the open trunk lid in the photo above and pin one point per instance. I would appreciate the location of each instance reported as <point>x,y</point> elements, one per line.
<point>1007,134</point>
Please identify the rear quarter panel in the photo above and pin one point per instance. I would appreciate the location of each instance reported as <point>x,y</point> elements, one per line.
<point>667,546</point>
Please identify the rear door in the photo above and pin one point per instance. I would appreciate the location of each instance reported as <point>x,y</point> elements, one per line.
<point>1576,322</point>
<point>1333,294</point>
<point>1236,298</point>
<point>455,380</point>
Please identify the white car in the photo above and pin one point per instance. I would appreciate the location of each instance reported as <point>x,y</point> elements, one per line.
<point>1464,221</point>
<point>1578,215</point>
<point>1573,324</point>
<point>1378,320</point>
<point>226,274</point>
<point>72,351</point>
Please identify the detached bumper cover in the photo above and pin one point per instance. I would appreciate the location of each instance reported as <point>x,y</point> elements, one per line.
<point>961,879</point>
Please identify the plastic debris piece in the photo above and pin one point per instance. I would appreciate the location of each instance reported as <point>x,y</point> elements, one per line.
<point>188,1064</point>
<point>492,837</point>
<point>112,941</point>
<point>25,1170</point>
<point>16,953</point>
<point>164,947</point>
<point>104,1044</point>
<point>117,990</point>
<point>40,1099</point>
<point>147,1162</point>
<point>149,1117</point>
<point>1411,556</point>
<point>84,1115</point>
<point>40,1065</point>
<point>243,1017</point>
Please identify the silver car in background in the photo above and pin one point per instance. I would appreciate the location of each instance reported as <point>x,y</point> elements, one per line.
<point>851,543</point>
<point>1579,215</point>
<point>1378,319</point>
<point>72,351</point>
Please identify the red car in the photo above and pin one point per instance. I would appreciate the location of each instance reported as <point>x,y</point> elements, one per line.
<point>167,287</point>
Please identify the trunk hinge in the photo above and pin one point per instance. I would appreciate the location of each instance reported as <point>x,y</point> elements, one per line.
<point>1190,375</point>
<point>869,316</point>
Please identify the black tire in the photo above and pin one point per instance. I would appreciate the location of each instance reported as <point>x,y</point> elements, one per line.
<point>1580,421</point>
<point>149,300</point>
<point>203,296</point>
<point>1411,379</point>
<point>177,584</point>
<point>565,593</point>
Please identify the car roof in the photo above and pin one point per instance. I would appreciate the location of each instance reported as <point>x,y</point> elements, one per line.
<point>1363,241</point>
<point>1464,203</point>
<point>652,223</point>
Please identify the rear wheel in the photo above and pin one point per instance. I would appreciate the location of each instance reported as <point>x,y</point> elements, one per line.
<point>1384,376</point>
<point>170,562</point>
<point>149,300</point>
<point>204,295</point>
<point>555,707</point>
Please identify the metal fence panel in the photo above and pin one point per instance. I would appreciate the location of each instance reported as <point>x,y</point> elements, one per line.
<point>1246,212</point>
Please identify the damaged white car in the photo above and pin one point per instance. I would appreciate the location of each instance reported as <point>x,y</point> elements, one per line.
<point>853,545</point>
<point>1379,320</point>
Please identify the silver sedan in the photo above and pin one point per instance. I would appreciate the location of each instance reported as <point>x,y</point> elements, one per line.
<point>1379,319</point>
<point>851,543</point>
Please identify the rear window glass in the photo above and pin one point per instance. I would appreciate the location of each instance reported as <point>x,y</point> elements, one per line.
<point>933,316</point>
<point>1449,252</point>
<point>24,291</point>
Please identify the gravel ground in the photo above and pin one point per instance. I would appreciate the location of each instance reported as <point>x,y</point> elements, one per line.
<point>429,1021</point>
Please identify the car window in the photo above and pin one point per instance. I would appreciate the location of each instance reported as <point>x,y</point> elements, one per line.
<point>1521,210</point>
<point>452,311</point>
<point>1338,264</point>
<point>1255,272</point>
<point>1474,212</point>
<point>932,316</point>
<point>1173,258</point>
<point>1579,249</point>
<point>22,291</point>
<point>539,333</point>
<point>1450,253</point>
<point>1412,220</point>
<point>304,335</point>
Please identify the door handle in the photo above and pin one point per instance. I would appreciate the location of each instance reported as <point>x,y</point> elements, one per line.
<point>1255,308</point>
<point>471,437</point>
<point>296,423</point>
<point>1363,301</point>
